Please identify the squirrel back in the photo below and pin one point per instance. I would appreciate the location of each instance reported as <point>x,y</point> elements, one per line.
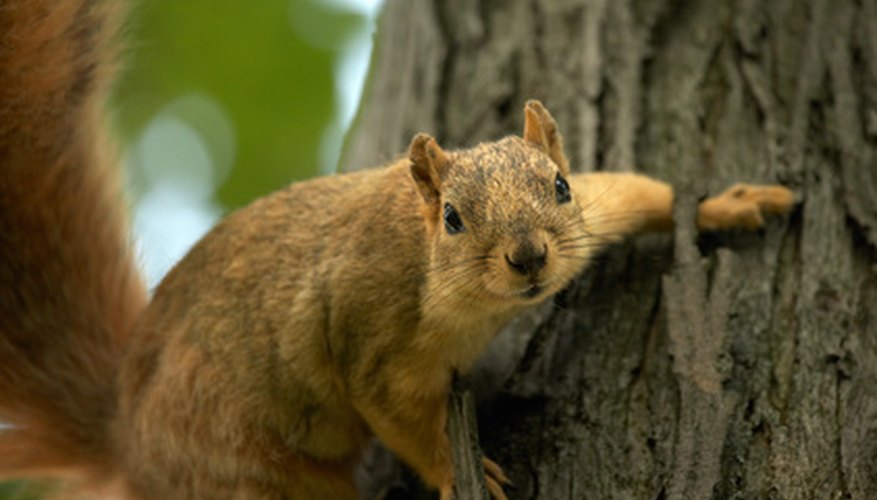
<point>69,290</point>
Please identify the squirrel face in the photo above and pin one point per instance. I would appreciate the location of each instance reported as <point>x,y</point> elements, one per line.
<point>502,223</point>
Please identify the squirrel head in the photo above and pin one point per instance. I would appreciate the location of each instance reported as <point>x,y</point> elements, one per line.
<point>501,220</point>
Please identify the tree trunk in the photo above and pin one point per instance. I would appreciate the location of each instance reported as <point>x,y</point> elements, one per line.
<point>684,366</point>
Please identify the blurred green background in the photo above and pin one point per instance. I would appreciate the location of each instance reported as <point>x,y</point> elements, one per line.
<point>222,102</point>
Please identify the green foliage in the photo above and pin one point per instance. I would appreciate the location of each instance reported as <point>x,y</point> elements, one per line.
<point>21,490</point>
<point>275,86</point>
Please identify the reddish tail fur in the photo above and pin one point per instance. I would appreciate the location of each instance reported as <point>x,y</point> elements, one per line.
<point>69,292</point>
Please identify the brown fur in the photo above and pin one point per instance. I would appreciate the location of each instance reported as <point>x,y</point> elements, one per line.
<point>324,313</point>
<point>70,291</point>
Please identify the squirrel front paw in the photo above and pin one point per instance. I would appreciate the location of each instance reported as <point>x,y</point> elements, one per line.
<point>744,206</point>
<point>494,479</point>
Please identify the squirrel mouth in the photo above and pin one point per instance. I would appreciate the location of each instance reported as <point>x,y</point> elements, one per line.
<point>533,291</point>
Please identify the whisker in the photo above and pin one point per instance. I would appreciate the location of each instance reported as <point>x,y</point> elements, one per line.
<point>575,220</point>
<point>454,283</point>
<point>455,277</point>
<point>451,265</point>
<point>603,237</point>
<point>577,238</point>
<point>629,214</point>
<point>575,257</point>
<point>579,250</point>
<point>593,201</point>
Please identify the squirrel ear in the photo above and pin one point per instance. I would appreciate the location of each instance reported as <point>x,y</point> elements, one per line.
<point>540,130</point>
<point>429,164</point>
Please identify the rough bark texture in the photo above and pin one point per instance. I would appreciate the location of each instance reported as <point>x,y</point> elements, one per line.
<point>723,366</point>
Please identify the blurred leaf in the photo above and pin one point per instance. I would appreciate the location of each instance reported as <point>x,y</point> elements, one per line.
<point>22,490</point>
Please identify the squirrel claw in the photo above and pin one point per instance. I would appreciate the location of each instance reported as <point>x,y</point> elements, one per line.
<point>495,479</point>
<point>744,206</point>
<point>492,469</point>
<point>494,489</point>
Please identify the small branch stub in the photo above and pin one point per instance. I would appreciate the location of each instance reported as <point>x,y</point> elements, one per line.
<point>463,433</point>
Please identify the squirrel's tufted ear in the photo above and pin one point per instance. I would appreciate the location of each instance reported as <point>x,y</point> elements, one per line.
<point>429,164</point>
<point>540,130</point>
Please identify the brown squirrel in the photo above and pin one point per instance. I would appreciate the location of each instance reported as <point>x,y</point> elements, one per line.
<point>301,325</point>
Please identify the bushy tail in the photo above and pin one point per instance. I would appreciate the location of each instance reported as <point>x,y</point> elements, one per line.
<point>69,291</point>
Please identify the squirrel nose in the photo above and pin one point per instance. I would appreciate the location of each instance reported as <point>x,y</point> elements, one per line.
<point>527,259</point>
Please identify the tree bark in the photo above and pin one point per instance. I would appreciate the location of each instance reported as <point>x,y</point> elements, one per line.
<point>684,366</point>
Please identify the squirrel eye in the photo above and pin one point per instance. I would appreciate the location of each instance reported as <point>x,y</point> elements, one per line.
<point>453,222</point>
<point>561,189</point>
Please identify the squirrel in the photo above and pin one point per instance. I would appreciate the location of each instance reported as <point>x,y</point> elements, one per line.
<point>321,315</point>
